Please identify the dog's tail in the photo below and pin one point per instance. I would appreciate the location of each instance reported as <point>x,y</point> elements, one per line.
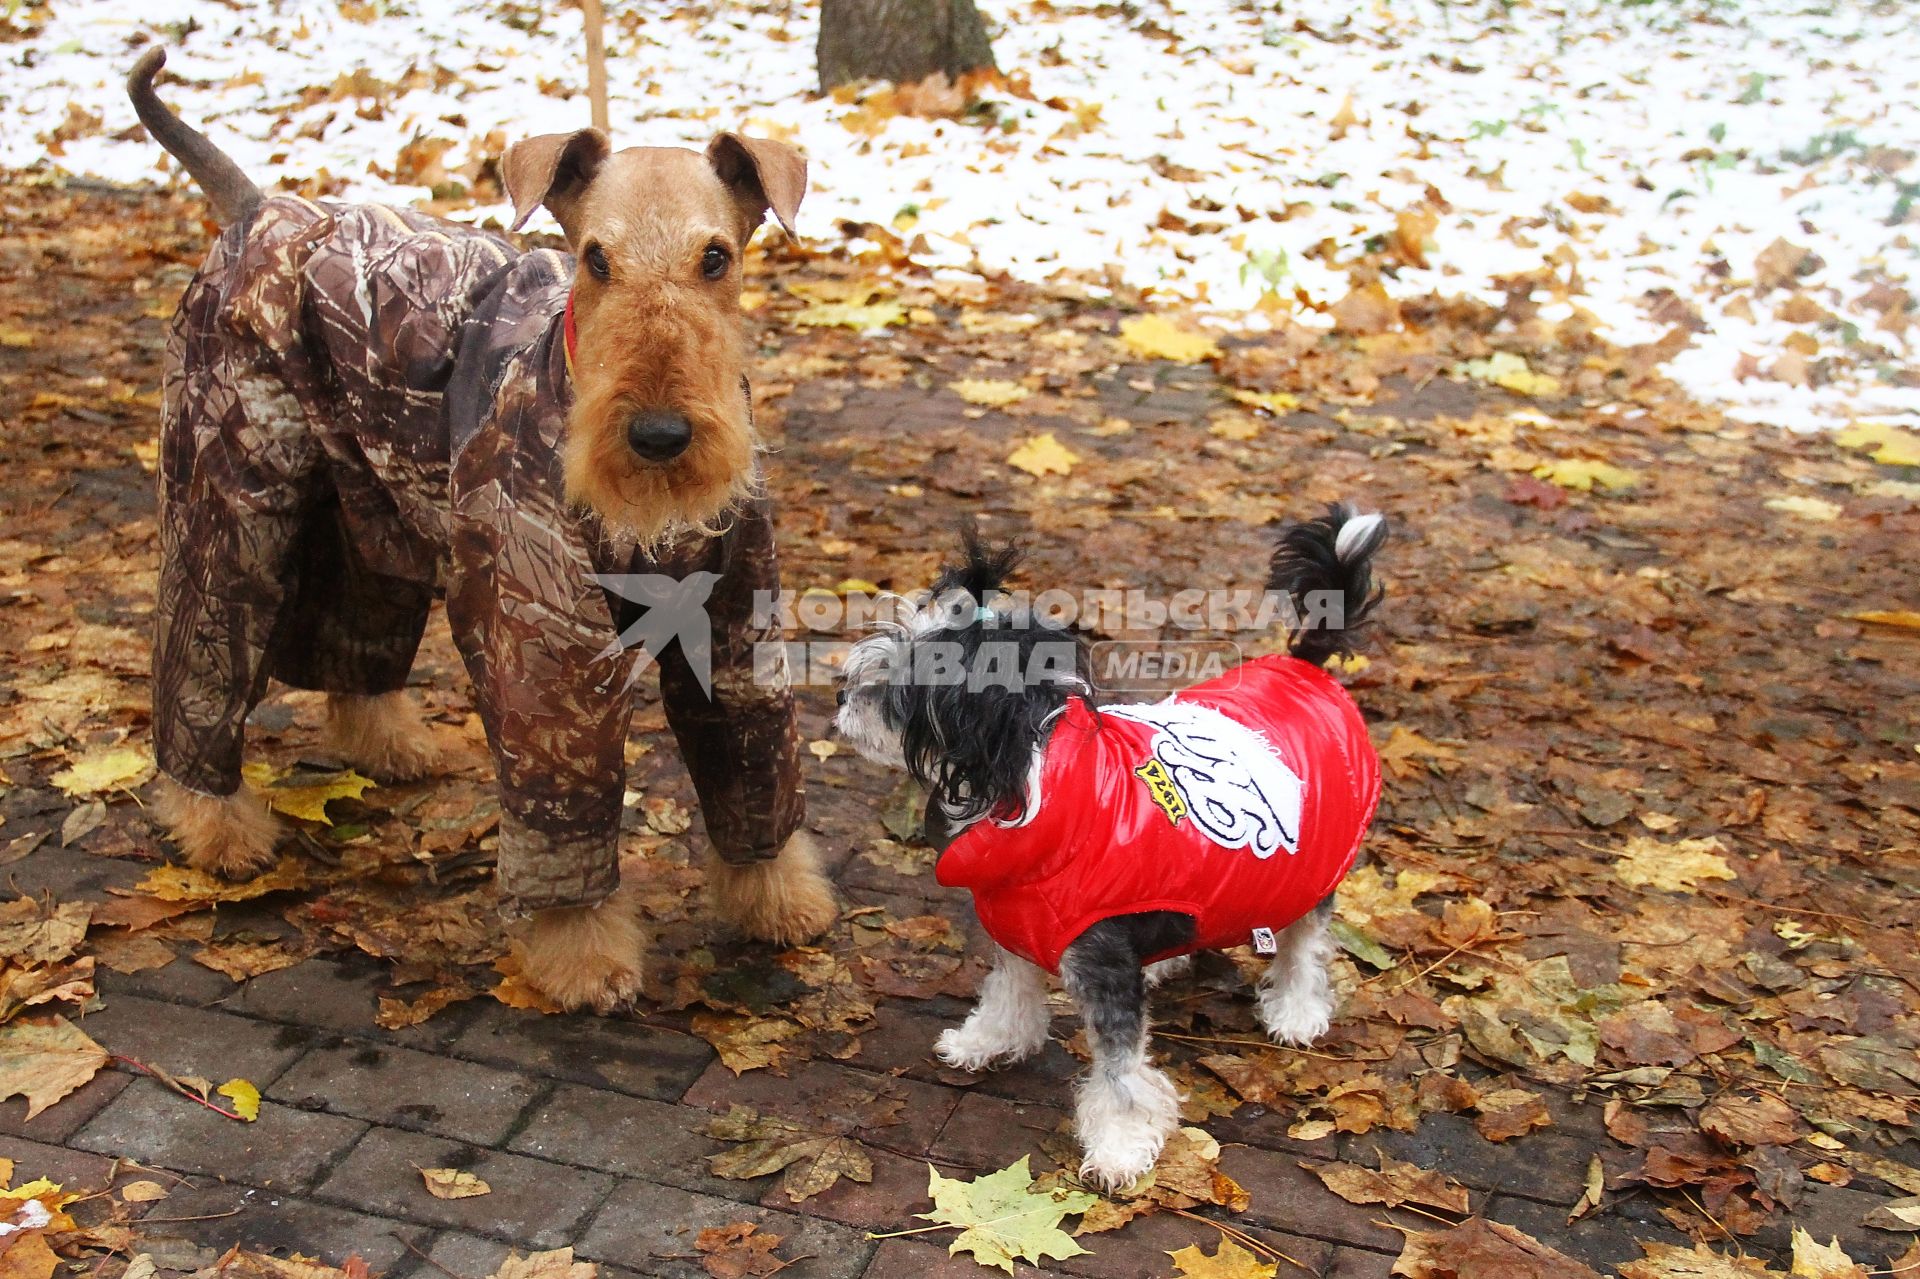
<point>230,191</point>
<point>1325,567</point>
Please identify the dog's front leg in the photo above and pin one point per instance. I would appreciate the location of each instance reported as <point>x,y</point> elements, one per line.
<point>1009,1024</point>
<point>1296,996</point>
<point>1125,1109</point>
<point>786,899</point>
<point>586,956</point>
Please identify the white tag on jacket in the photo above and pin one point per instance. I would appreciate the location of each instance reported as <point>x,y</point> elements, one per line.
<point>1264,943</point>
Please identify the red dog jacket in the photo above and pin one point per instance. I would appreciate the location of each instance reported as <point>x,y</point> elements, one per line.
<point>1240,802</point>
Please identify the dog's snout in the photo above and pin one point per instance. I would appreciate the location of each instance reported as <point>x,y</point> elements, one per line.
<point>659,435</point>
<point>840,697</point>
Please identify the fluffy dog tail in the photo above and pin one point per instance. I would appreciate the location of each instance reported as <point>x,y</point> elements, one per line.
<point>230,191</point>
<point>1325,567</point>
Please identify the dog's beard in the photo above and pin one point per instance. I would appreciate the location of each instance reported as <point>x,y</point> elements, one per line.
<point>862,718</point>
<point>655,505</point>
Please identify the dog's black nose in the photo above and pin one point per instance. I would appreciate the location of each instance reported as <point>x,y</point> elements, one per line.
<point>659,435</point>
<point>840,697</point>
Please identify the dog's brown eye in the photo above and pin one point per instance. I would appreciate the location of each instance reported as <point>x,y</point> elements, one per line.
<point>715,261</point>
<point>597,262</point>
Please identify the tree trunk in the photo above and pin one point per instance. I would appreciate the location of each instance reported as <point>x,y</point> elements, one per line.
<point>899,40</point>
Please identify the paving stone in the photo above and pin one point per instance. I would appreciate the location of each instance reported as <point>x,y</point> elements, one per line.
<point>340,994</point>
<point>1828,1212</point>
<point>72,1169</point>
<point>1267,1128</point>
<point>405,1089</point>
<point>902,1043</point>
<point>264,1221</point>
<point>1287,1197</point>
<point>1354,1263</point>
<point>911,1259</point>
<point>599,1052</point>
<point>652,1228</point>
<point>985,1133</point>
<point>888,1202</point>
<point>537,1203</point>
<point>630,1136</point>
<point>66,874</point>
<point>196,1041</point>
<point>1603,1240</point>
<point>62,1119</point>
<point>820,1092</point>
<point>180,982</point>
<point>1546,1165</point>
<point>285,1148</point>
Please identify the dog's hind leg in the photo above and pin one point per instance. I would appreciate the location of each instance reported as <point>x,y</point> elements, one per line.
<point>1126,1108</point>
<point>1296,996</point>
<point>1009,1024</point>
<point>381,735</point>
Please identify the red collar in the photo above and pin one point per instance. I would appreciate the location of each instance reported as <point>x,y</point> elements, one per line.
<point>568,335</point>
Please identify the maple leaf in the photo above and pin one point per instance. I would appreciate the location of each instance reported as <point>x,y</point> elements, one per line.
<point>304,793</point>
<point>1678,867</point>
<point>1814,1260</point>
<point>1583,474</point>
<point>1477,1248</point>
<point>185,884</point>
<point>746,1043</point>
<point>121,768</point>
<point>865,317</point>
<point>1229,1261</point>
<point>1004,1218</point>
<point>738,1250</point>
<point>1510,371</point>
<point>1154,337</point>
<point>810,1161</point>
<point>1885,444</point>
<point>44,1059</point>
<point>992,392</point>
<point>1043,455</point>
<point>1506,1113</point>
<point>453,1183</point>
<point>1665,1261</point>
<point>1394,1184</point>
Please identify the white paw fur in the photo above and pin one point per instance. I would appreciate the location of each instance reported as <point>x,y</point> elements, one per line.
<point>1123,1120</point>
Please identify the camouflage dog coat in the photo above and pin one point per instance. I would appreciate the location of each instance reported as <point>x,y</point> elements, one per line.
<point>363,408</point>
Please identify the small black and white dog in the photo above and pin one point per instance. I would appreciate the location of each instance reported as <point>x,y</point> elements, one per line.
<point>1105,844</point>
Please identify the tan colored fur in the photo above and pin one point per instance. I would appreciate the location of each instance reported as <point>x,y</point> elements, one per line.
<point>232,835</point>
<point>786,901</point>
<point>382,736</point>
<point>658,335</point>
<point>586,956</point>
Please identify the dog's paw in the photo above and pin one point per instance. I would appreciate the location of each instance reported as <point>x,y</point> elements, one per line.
<point>1123,1124</point>
<point>786,901</point>
<point>974,1047</point>
<point>383,737</point>
<point>1168,970</point>
<point>234,836</point>
<point>1294,1018</point>
<point>589,957</point>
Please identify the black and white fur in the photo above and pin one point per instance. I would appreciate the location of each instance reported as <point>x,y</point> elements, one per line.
<point>977,751</point>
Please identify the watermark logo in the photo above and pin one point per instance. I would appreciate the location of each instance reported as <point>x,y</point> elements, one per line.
<point>671,608</point>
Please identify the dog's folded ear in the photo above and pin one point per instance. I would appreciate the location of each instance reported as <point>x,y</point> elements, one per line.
<point>553,169</point>
<point>762,174</point>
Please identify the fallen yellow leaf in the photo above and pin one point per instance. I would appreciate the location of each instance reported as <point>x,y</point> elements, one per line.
<point>1275,402</point>
<point>244,1096</point>
<point>865,316</point>
<point>1154,337</point>
<point>1505,369</point>
<point>116,769</point>
<point>307,797</point>
<point>1807,508</point>
<point>992,392</point>
<point>1043,455</point>
<point>1583,473</point>
<point>1904,618</point>
<point>1884,443</point>
<point>823,750</point>
<point>452,1183</point>
<point>1678,867</point>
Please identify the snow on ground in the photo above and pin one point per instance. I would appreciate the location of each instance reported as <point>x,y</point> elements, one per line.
<point>1198,148</point>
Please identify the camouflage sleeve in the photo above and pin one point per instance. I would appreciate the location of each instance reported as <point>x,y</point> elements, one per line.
<point>740,742</point>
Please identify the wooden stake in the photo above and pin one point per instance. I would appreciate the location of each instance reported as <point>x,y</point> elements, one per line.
<point>596,61</point>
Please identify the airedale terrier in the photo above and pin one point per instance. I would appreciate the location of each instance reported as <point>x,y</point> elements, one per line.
<point>366,406</point>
